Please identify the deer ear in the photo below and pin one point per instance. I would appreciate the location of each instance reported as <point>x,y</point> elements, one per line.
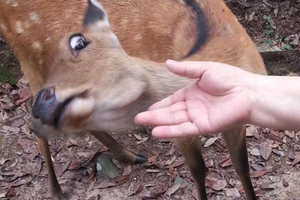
<point>95,15</point>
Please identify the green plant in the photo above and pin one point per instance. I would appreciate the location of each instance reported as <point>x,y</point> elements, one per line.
<point>5,75</point>
<point>269,20</point>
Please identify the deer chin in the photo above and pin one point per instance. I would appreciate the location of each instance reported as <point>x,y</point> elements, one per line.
<point>75,114</point>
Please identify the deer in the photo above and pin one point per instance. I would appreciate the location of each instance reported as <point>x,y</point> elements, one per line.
<point>95,65</point>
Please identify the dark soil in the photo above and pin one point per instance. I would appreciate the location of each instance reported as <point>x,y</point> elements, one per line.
<point>284,14</point>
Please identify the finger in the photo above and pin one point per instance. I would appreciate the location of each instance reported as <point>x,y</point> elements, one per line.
<point>178,96</point>
<point>176,114</point>
<point>191,69</point>
<point>186,129</point>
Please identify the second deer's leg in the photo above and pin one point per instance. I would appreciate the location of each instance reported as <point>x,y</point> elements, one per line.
<point>117,149</point>
<point>191,150</point>
<point>236,143</point>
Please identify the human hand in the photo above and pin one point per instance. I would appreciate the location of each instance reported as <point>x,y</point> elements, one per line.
<point>217,100</point>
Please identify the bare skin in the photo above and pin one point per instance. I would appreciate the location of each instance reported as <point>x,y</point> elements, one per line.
<point>219,91</point>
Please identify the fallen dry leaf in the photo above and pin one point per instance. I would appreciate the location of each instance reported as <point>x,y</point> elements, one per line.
<point>169,162</point>
<point>266,186</point>
<point>297,159</point>
<point>291,154</point>
<point>232,193</point>
<point>127,170</point>
<point>210,141</point>
<point>114,182</point>
<point>219,185</point>
<point>24,180</point>
<point>138,137</point>
<point>154,192</point>
<point>74,166</point>
<point>280,153</point>
<point>23,95</point>
<point>3,161</point>
<point>252,131</point>
<point>257,167</point>
<point>138,191</point>
<point>290,134</point>
<point>265,150</point>
<point>172,189</point>
<point>257,174</point>
<point>9,194</point>
<point>17,123</point>
<point>249,17</point>
<point>255,152</point>
<point>152,160</point>
<point>143,140</point>
<point>64,168</point>
<point>209,183</point>
<point>178,162</point>
<point>226,163</point>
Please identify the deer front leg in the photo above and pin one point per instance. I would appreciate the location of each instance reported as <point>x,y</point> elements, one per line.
<point>55,190</point>
<point>117,149</point>
<point>191,150</point>
<point>236,143</point>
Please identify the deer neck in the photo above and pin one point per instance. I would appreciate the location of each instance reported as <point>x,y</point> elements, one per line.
<point>161,82</point>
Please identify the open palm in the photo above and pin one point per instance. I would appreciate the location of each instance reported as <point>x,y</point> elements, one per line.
<point>215,102</point>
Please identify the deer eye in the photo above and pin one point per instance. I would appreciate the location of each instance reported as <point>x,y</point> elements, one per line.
<point>78,42</point>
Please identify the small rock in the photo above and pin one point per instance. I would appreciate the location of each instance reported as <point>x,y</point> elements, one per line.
<point>232,193</point>
<point>107,167</point>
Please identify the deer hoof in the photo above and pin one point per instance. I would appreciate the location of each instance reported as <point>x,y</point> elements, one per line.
<point>140,159</point>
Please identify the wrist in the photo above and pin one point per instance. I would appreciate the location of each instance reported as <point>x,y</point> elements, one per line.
<point>251,87</point>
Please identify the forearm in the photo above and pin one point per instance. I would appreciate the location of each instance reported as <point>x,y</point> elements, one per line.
<point>276,102</point>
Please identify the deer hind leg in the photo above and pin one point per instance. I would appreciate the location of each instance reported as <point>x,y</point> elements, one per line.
<point>117,149</point>
<point>236,143</point>
<point>191,150</point>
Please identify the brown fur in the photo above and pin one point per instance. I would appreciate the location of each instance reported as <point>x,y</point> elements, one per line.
<point>120,86</point>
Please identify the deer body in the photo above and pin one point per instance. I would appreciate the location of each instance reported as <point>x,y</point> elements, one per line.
<point>102,87</point>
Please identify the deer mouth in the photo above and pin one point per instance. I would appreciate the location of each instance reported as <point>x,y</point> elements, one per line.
<point>65,112</point>
<point>61,109</point>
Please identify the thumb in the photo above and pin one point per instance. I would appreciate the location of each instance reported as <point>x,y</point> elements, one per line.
<point>190,69</point>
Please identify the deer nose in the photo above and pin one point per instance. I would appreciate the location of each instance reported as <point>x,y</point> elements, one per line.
<point>45,105</point>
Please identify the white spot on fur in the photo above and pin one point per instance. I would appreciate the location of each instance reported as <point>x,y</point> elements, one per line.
<point>33,17</point>
<point>3,27</point>
<point>229,30</point>
<point>37,46</point>
<point>19,27</point>
<point>138,37</point>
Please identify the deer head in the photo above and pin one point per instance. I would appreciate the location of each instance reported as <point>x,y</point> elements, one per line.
<point>95,84</point>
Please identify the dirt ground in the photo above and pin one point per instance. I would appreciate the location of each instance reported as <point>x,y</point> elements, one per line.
<point>84,166</point>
